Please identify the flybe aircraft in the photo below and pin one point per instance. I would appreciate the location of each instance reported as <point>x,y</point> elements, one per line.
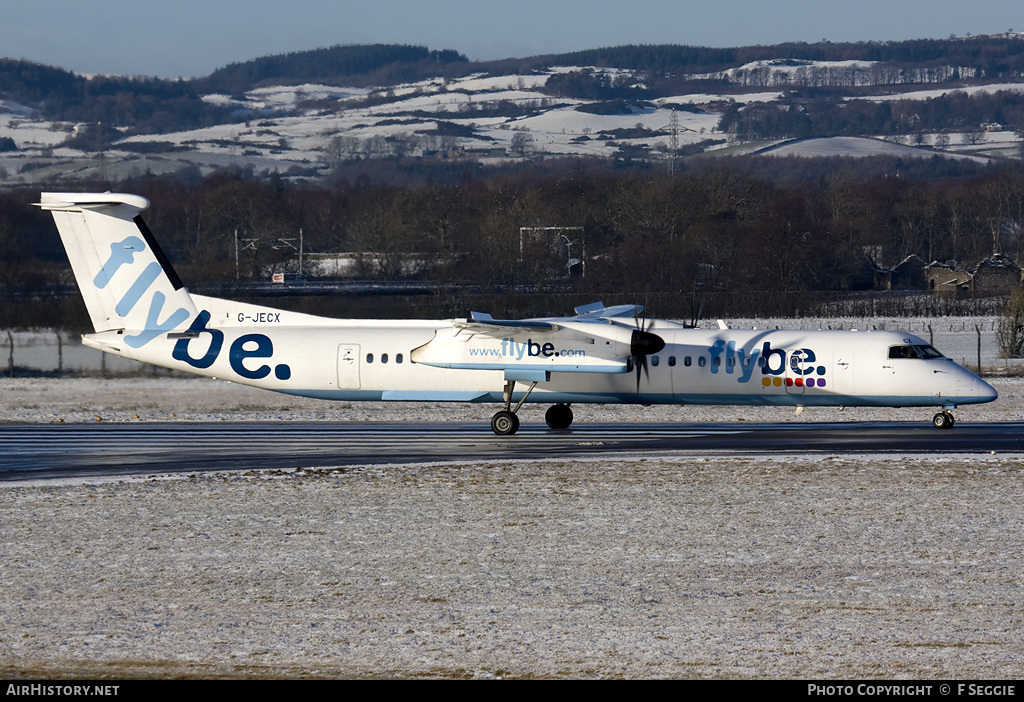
<point>140,309</point>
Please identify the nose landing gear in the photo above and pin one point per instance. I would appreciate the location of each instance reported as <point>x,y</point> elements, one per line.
<point>943,420</point>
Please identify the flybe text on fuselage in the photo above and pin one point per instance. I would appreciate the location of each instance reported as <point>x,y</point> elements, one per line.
<point>246,346</point>
<point>511,348</point>
<point>771,361</point>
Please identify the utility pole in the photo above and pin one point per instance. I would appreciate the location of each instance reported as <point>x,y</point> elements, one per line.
<point>673,142</point>
<point>247,244</point>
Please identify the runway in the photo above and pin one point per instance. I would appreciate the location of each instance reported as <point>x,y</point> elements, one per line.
<point>55,451</point>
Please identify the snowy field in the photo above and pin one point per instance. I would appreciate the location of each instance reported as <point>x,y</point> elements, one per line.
<point>712,566</point>
<point>827,567</point>
<point>193,399</point>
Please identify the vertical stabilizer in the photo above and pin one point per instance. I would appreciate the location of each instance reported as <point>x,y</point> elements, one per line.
<point>126,280</point>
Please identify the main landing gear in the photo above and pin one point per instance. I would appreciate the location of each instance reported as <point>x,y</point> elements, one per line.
<point>558,416</point>
<point>506,421</point>
<point>943,420</point>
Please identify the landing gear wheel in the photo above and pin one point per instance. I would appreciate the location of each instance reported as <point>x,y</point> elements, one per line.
<point>558,416</point>
<point>504,423</point>
<point>943,420</point>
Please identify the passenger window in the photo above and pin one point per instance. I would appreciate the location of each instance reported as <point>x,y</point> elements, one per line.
<point>383,358</point>
<point>686,361</point>
<point>654,360</point>
<point>398,358</point>
<point>702,361</point>
<point>672,360</point>
<point>369,358</point>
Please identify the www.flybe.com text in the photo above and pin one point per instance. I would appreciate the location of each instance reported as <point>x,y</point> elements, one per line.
<point>529,348</point>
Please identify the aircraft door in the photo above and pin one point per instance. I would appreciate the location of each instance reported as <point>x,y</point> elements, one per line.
<point>348,367</point>
<point>842,374</point>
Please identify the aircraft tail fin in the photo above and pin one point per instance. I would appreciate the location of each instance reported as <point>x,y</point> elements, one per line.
<point>128,284</point>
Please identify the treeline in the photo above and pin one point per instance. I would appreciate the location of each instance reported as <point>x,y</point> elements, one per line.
<point>142,105</point>
<point>993,57</point>
<point>820,113</point>
<point>723,234</point>
<point>358,66</point>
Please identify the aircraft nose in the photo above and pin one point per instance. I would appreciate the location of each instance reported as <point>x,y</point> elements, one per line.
<point>987,392</point>
<point>974,390</point>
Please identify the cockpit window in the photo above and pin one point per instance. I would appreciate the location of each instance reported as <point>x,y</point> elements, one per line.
<point>916,351</point>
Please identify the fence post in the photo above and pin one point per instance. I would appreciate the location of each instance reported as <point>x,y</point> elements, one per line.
<point>978,329</point>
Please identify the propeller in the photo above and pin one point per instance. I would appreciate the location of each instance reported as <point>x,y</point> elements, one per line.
<point>642,343</point>
<point>696,311</point>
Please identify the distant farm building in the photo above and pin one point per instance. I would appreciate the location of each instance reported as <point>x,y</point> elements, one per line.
<point>908,274</point>
<point>995,275</point>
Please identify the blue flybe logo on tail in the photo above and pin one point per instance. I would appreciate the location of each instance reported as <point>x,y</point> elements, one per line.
<point>122,253</point>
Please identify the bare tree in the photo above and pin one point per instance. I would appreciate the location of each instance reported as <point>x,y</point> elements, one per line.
<point>1010,333</point>
<point>522,144</point>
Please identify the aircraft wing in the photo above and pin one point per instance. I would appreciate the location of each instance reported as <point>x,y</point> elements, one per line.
<point>483,323</point>
<point>596,340</point>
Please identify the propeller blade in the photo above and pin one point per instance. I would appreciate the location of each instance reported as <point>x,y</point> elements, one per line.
<point>641,366</point>
<point>642,343</point>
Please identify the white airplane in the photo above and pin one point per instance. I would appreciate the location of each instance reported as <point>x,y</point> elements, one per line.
<point>140,310</point>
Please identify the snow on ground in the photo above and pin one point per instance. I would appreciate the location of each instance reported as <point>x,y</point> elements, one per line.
<point>939,92</point>
<point>795,566</point>
<point>705,98</point>
<point>700,567</point>
<point>293,126</point>
<point>28,132</point>
<point>858,147</point>
<point>194,399</point>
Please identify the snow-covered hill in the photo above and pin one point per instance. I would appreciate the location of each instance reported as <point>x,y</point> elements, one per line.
<point>302,131</point>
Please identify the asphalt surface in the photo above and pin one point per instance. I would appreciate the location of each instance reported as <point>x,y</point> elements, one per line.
<point>54,451</point>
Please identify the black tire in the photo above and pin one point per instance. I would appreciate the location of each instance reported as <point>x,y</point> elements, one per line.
<point>942,421</point>
<point>558,416</point>
<point>504,423</point>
